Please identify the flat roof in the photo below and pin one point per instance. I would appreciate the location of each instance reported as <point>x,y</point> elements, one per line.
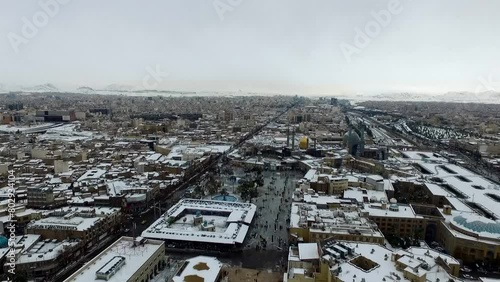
<point>308,251</point>
<point>405,211</point>
<point>474,187</point>
<point>436,189</point>
<point>92,174</point>
<point>386,268</point>
<point>27,241</point>
<point>422,155</point>
<point>359,194</point>
<point>331,221</point>
<point>135,257</point>
<point>230,221</point>
<point>474,198</point>
<point>200,268</point>
<point>321,199</point>
<point>45,250</point>
<point>72,218</point>
<point>180,150</point>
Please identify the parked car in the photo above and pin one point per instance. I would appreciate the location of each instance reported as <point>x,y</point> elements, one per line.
<point>465,269</point>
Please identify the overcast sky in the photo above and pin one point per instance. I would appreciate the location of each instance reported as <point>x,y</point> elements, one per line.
<point>254,45</point>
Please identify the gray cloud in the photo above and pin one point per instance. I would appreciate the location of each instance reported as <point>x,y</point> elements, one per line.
<point>278,45</point>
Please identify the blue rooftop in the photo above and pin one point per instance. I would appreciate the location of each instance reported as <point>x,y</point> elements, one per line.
<point>477,225</point>
<point>4,242</point>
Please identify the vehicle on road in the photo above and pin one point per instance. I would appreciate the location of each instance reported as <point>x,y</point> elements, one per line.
<point>467,276</point>
<point>465,269</point>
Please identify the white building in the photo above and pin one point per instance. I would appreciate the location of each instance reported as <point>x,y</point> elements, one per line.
<point>126,260</point>
<point>204,222</point>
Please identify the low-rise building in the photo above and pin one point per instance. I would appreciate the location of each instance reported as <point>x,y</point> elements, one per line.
<point>203,224</point>
<point>312,223</point>
<point>126,260</point>
<point>469,215</point>
<point>45,197</point>
<point>91,225</point>
<point>396,219</point>
<point>200,268</point>
<point>40,258</point>
<point>346,261</point>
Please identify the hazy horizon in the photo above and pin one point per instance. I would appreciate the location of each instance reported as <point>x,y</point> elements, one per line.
<point>253,46</point>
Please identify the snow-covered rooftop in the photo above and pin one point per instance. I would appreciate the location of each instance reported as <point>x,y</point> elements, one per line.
<point>419,261</point>
<point>402,211</point>
<point>332,221</point>
<point>67,132</point>
<point>135,257</point>
<point>187,152</point>
<point>27,241</point>
<point>76,218</point>
<point>27,129</point>
<point>308,251</point>
<point>203,268</point>
<point>46,250</point>
<point>92,174</point>
<point>230,220</point>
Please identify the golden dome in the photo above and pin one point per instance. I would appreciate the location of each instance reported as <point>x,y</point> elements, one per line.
<point>304,143</point>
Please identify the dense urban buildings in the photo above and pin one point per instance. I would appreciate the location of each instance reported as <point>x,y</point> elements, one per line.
<point>280,188</point>
<point>250,141</point>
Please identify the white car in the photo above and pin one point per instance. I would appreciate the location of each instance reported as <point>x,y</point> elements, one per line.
<point>465,269</point>
<point>467,276</point>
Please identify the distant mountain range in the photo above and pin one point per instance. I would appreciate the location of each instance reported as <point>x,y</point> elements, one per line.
<point>85,90</point>
<point>42,88</point>
<point>487,97</point>
<point>119,87</point>
<point>47,87</point>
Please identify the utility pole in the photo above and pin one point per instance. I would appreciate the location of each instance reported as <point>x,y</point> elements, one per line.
<point>288,136</point>
<point>157,209</point>
<point>134,227</point>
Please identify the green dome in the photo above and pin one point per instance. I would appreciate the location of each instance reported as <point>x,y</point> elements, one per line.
<point>352,140</point>
<point>478,226</point>
<point>4,242</point>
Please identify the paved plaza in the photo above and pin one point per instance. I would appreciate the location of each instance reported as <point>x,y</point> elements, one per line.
<point>266,245</point>
<point>268,235</point>
<point>269,230</point>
